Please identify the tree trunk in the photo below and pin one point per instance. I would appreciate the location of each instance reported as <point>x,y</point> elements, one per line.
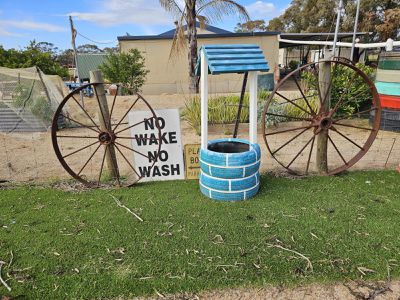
<point>192,41</point>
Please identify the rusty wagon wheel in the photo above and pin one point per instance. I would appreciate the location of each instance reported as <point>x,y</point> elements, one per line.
<point>321,118</point>
<point>85,134</point>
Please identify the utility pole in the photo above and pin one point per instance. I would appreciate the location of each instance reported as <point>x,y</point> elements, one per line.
<point>355,30</point>
<point>339,12</point>
<point>73,36</point>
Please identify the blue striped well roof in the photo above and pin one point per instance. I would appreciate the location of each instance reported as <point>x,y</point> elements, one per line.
<point>235,58</point>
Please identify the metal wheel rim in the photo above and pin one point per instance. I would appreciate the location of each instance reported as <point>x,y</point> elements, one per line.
<point>58,152</point>
<point>368,143</point>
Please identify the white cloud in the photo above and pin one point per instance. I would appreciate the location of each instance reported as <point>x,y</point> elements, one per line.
<point>30,25</point>
<point>261,9</point>
<point>4,32</point>
<point>117,12</point>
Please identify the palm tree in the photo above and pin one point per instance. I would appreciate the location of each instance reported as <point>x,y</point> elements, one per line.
<point>203,11</point>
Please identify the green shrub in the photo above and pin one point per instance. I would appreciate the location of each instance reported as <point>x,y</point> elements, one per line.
<point>294,111</point>
<point>293,64</point>
<point>221,109</point>
<point>358,96</point>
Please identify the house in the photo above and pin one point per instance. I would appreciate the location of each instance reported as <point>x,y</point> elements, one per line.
<point>170,74</point>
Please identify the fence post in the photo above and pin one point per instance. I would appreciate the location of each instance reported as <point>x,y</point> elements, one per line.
<point>324,78</point>
<point>97,77</point>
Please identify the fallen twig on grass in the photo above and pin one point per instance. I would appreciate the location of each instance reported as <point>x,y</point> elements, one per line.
<point>119,203</point>
<point>2,280</point>
<point>309,264</point>
<point>11,259</point>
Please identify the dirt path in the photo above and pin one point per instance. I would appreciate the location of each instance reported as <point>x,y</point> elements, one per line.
<point>339,291</point>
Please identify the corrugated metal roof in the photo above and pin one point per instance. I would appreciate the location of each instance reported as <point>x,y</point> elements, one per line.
<point>213,29</point>
<point>88,62</point>
<point>233,58</point>
<point>199,36</point>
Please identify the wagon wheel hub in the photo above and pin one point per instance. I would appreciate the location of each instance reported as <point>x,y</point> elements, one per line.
<point>106,137</point>
<point>325,123</point>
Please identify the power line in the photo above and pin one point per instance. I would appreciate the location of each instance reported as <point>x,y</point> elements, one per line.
<point>96,42</point>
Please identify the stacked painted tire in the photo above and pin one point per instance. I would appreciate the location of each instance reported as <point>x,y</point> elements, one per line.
<point>388,86</point>
<point>230,176</point>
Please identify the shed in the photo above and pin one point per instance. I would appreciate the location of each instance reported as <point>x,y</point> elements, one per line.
<point>88,62</point>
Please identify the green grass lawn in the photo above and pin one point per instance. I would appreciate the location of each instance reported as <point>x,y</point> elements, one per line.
<point>82,245</point>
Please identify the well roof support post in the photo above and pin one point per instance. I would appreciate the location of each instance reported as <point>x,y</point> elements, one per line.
<point>204,100</point>
<point>253,106</point>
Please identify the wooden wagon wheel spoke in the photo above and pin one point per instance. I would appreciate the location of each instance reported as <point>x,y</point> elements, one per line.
<point>337,149</point>
<point>355,114</point>
<point>284,103</point>
<point>130,108</point>
<point>102,165</point>
<point>289,117</point>
<point>137,152</point>
<point>315,73</point>
<point>115,167</point>
<point>136,124</point>
<point>347,138</point>
<point>354,126</point>
<point>291,140</point>
<point>327,77</point>
<point>86,113</point>
<point>309,155</point>
<point>304,96</point>
<point>112,107</point>
<point>83,125</point>
<point>293,103</point>
<point>301,150</point>
<point>77,136</point>
<point>127,161</point>
<point>339,102</point>
<point>289,130</point>
<point>335,110</point>
<point>90,157</point>
<point>80,149</point>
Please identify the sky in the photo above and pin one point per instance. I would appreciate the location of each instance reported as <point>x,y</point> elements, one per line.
<point>101,20</point>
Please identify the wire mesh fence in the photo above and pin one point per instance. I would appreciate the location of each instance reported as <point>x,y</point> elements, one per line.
<point>28,99</point>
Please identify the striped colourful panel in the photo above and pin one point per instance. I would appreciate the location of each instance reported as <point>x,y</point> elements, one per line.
<point>388,101</point>
<point>389,62</point>
<point>387,75</point>
<point>388,88</point>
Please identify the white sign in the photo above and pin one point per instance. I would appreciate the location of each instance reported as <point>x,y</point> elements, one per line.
<point>169,165</point>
